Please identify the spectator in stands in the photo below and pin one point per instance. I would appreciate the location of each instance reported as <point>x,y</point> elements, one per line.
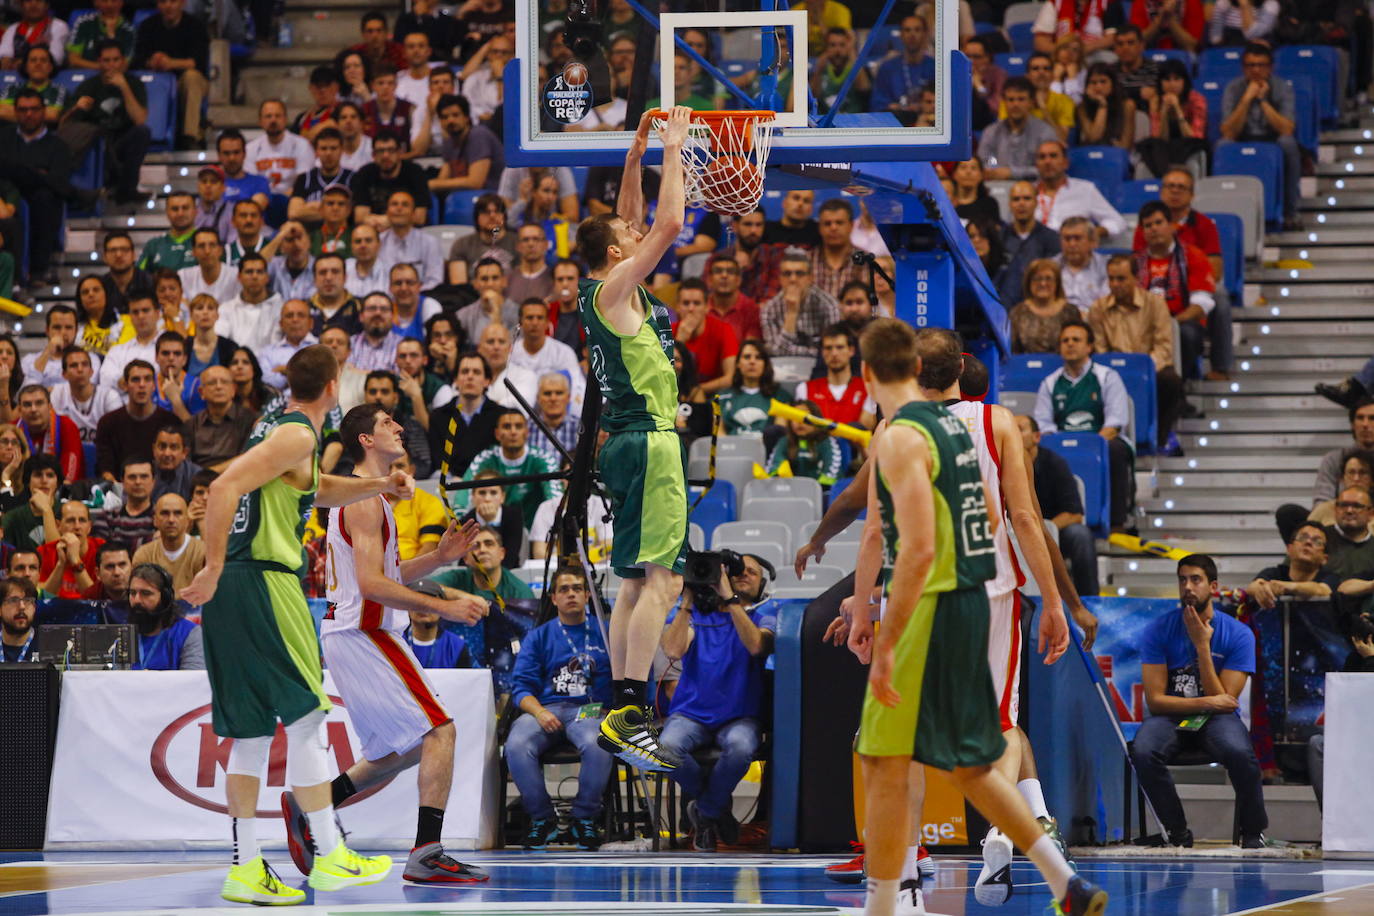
<point>834,67</point>
<point>279,156</point>
<point>512,457</point>
<point>173,250</point>
<point>711,340</point>
<point>1349,543</point>
<point>539,353</point>
<point>403,242</point>
<point>493,239</point>
<point>218,432</point>
<point>112,568</point>
<point>252,317</point>
<point>1302,576</point>
<point>374,347</point>
<point>435,647</point>
<point>357,145</point>
<point>177,390</point>
<point>796,227</point>
<point>806,451</point>
<point>100,325</point>
<point>130,520</point>
<point>167,640</point>
<point>323,114</point>
<point>177,43</point>
<point>365,270</point>
<point>374,184</point>
<point>1024,241</point>
<point>37,27</point>
<point>1239,22</point>
<point>352,380</point>
<point>1195,663</point>
<point>758,262</point>
<point>22,564</point>
<point>1170,23</point>
<point>482,574</point>
<point>722,640</point>
<point>18,607</point>
<point>129,431</point>
<point>700,234</point>
<point>1039,317</point>
<point>32,521</point>
<point>211,274</point>
<point>744,405</point>
<point>105,21</point>
<point>553,408</point>
<point>412,309</point>
<point>250,391</point>
<point>989,80</point>
<point>123,281</point>
<point>727,302</point>
<point>442,338</point>
<point>564,322</point>
<point>13,453</point>
<point>388,115</point>
<point>493,305</point>
<point>143,315</point>
<point>377,47</point>
<point>495,347</point>
<point>489,509</point>
<point>332,306</point>
<point>200,487</point>
<point>1357,470</point>
<point>1008,148</point>
<point>474,413</point>
<point>332,235</point>
<point>112,107</point>
<point>1083,270</point>
<point>295,332</point>
<point>77,398</point>
<point>37,68</point>
<point>971,198</point>
<point>987,244</point>
<point>840,394</point>
<point>1106,117</point>
<point>794,318</point>
<point>68,561</point>
<point>239,183</point>
<point>249,235</point>
<point>484,88</point>
<point>1092,22</point>
<point>420,520</point>
<point>213,208</point>
<point>47,432</point>
<point>1178,125</point>
<point>562,667</point>
<point>1258,108</point>
<point>1134,73</point>
<point>421,390</point>
<point>530,276</point>
<point>381,388</point>
<point>206,347</point>
<point>1059,197</point>
<point>900,77</point>
<point>832,260</point>
<point>441,29</point>
<point>173,469</point>
<point>1133,320</point>
<point>1087,397</point>
<point>1362,429</point>
<point>473,155</point>
<point>307,192</point>
<point>1181,274</point>
<point>1050,106</point>
<point>1060,503</point>
<point>39,164</point>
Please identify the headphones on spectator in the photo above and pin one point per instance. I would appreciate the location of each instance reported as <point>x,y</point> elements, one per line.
<point>152,572</point>
<point>769,579</point>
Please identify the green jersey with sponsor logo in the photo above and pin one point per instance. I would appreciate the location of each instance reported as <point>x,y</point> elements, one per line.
<point>635,372</point>
<point>270,521</point>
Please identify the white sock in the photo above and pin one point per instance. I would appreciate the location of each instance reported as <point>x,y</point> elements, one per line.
<point>323,830</point>
<point>881,899</point>
<point>245,831</point>
<point>909,870</point>
<point>1030,791</point>
<point>1048,859</point>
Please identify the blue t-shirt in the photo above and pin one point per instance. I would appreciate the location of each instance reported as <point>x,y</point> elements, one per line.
<point>236,189</point>
<point>1165,642</point>
<point>446,651</point>
<point>720,680</point>
<point>896,79</point>
<point>163,651</point>
<point>190,395</point>
<point>562,664</point>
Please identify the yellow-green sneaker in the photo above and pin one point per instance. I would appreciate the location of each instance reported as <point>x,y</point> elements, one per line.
<point>345,868</point>
<point>256,882</point>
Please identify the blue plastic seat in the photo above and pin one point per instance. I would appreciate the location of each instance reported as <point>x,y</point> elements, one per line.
<point>1105,166</point>
<point>715,508</point>
<point>1014,62</point>
<point>1025,371</point>
<point>458,207</point>
<point>1321,64</point>
<point>70,79</point>
<point>1214,91</point>
<point>839,487</point>
<point>1220,64</point>
<point>1086,454</point>
<point>1261,160</point>
<point>162,107</point>
<point>1160,55</point>
<point>1306,109</point>
<point>1231,230</point>
<point>1132,195</point>
<point>1137,371</point>
<point>1022,36</point>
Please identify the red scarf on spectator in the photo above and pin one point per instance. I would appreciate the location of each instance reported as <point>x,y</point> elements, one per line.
<point>1176,289</point>
<point>1071,20</point>
<point>51,443</point>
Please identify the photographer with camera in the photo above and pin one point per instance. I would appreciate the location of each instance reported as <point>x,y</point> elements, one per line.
<point>722,631</point>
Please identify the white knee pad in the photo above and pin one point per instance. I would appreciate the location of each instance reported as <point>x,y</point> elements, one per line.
<point>247,756</point>
<point>307,764</point>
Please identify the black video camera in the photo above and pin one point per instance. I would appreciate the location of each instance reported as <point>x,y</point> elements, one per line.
<point>582,32</point>
<point>702,573</point>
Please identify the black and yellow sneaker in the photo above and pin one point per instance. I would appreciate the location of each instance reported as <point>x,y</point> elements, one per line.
<point>629,733</point>
<point>1051,828</point>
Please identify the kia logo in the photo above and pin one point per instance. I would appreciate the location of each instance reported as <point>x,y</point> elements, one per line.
<point>212,759</point>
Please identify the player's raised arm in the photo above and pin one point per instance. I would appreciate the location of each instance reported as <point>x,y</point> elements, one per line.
<point>344,491</point>
<point>629,204</point>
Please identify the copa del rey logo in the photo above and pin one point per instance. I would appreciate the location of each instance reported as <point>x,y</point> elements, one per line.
<point>190,760</point>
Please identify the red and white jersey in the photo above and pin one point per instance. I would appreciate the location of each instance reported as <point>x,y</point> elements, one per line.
<point>347,608</point>
<point>978,418</point>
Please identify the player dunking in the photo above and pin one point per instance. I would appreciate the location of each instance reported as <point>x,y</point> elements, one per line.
<point>928,696</point>
<point>642,463</point>
<point>394,710</point>
<point>262,656</point>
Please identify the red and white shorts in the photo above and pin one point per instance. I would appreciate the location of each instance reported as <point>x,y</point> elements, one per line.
<point>1004,654</point>
<point>390,702</point>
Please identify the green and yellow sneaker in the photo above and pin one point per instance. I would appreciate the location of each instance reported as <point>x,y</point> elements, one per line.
<point>345,868</point>
<point>256,882</point>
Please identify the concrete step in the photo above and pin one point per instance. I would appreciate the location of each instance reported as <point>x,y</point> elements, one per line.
<point>1312,443</point>
<point>1319,235</point>
<point>1310,346</point>
<point>1325,254</point>
<point>1223,481</point>
<point>300,54</point>
<point>1334,219</point>
<point>1245,421</point>
<point>1196,524</point>
<point>312,25</point>
<point>241,116</point>
<point>1353,273</point>
<point>290,84</point>
<point>1346,167</point>
<point>1343,199</point>
<point>1257,385</point>
<point>1347,135</point>
<point>1190,500</point>
<point>1329,328</point>
<point>1228,565</point>
<point>1218,406</point>
<point>1310,368</point>
<point>1278,292</point>
<point>1296,308</point>
<point>1276,459</point>
<point>1293,813</point>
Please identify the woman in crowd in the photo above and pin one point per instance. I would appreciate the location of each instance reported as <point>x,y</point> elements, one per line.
<point>971,198</point>
<point>99,325</point>
<point>1037,320</point>
<point>206,347</point>
<point>986,236</point>
<point>1357,470</point>
<point>1105,116</point>
<point>540,204</point>
<point>14,451</point>
<point>1070,71</point>
<point>171,301</point>
<point>11,378</point>
<point>744,405</point>
<point>443,343</point>
<point>355,76</point>
<point>808,451</point>
<point>1178,124</point>
<point>693,410</point>
<point>250,391</point>
<point>1239,23</point>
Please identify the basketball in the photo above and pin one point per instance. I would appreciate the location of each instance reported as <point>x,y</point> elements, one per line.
<point>731,184</point>
<point>575,74</point>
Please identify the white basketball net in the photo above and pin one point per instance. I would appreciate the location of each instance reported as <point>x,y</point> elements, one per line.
<point>723,161</point>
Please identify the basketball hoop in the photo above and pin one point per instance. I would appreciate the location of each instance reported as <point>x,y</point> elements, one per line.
<point>724,157</point>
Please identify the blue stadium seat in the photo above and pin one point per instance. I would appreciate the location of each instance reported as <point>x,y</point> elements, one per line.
<point>1105,166</point>
<point>1086,454</point>
<point>982,28</point>
<point>1132,195</point>
<point>1213,90</point>
<point>70,79</point>
<point>458,207</point>
<point>162,107</point>
<point>1013,62</point>
<point>772,204</point>
<point>9,78</point>
<point>1262,160</point>
<point>1160,55</point>
<point>1322,65</point>
<point>1306,108</point>
<point>1231,229</point>
<point>1137,371</point>
<point>1220,64</point>
<point>1022,37</point>
<point>1025,371</point>
<point>717,507</point>
<point>142,14</point>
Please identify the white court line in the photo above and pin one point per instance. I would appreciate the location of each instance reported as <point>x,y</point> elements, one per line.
<point>1270,907</point>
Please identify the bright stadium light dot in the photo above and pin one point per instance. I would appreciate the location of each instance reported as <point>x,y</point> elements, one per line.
<point>1178,481</point>
<point>1369,135</point>
<point>1284,292</point>
<point>130,224</point>
<point>1254,351</point>
<point>1274,310</point>
<point>185,171</point>
<point>201,157</point>
<point>1235,386</point>
<point>1292,275</point>
<point>1224,403</point>
<point>167,189</point>
<point>94,256</point>
<point>1159,523</point>
<point>1321,217</point>
<point>1340,182</point>
<point>1168,503</point>
<point>57,290</point>
<point>76,272</point>
<point>1311,236</point>
<point>1214,425</point>
<point>1133,566</point>
<point>1264,329</point>
<point>1202,441</point>
<point>1245,366</point>
<point>1192,464</point>
<point>1350,166</point>
<point>1121,591</point>
<point>1331,201</point>
<point>152,204</point>
<point>38,309</point>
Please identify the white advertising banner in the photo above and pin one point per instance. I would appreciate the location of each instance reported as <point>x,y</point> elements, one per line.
<point>138,764</point>
<point>1348,808</point>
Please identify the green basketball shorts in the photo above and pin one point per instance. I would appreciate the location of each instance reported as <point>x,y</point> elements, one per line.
<point>261,651</point>
<point>645,473</point>
<point>948,715</point>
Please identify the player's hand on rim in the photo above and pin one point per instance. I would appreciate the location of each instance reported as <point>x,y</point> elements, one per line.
<point>640,144</point>
<point>674,132</point>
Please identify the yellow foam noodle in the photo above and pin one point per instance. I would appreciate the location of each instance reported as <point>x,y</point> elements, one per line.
<point>18,309</point>
<point>1154,548</point>
<point>843,430</point>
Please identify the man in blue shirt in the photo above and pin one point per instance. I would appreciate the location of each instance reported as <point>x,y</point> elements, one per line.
<point>562,680</point>
<point>167,641</point>
<point>722,645</point>
<point>435,647</point>
<point>1194,665</point>
<point>897,87</point>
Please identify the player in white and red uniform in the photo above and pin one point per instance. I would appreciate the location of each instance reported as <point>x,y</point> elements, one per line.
<point>394,710</point>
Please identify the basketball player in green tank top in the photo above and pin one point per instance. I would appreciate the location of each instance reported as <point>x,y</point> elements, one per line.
<point>629,350</point>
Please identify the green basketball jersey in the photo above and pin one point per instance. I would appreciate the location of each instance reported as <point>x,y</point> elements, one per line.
<point>635,372</point>
<point>965,556</point>
<point>270,521</point>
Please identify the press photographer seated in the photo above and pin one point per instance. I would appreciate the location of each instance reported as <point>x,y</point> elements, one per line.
<point>167,641</point>
<point>722,632</point>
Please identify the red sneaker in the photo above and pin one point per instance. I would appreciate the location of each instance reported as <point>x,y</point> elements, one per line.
<point>925,864</point>
<point>851,872</point>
